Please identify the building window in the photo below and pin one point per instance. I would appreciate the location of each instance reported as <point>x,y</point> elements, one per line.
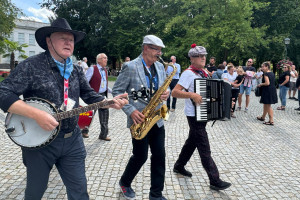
<point>31,40</point>
<point>11,37</point>
<point>31,53</point>
<point>21,38</point>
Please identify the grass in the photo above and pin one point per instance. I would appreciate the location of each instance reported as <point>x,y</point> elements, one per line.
<point>1,78</point>
<point>112,78</point>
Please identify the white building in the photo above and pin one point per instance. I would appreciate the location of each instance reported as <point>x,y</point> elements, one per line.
<point>24,33</point>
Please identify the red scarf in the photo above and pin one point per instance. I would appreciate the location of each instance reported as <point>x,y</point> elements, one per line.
<point>198,71</point>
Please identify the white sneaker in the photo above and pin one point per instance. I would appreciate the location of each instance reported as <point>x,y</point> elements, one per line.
<point>246,110</point>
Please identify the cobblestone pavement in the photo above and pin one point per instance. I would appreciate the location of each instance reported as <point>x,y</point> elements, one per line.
<point>261,162</point>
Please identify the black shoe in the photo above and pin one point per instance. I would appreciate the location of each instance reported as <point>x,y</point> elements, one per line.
<point>157,198</point>
<point>296,99</point>
<point>85,132</point>
<point>182,171</point>
<point>290,97</point>
<point>127,192</point>
<point>222,185</point>
<point>297,109</point>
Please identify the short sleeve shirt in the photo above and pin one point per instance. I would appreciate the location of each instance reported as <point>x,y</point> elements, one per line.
<point>187,81</point>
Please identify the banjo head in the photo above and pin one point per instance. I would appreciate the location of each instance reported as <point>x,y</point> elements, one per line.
<point>25,132</point>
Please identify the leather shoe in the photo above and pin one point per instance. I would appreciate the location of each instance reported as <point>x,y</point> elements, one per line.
<point>221,185</point>
<point>182,171</point>
<point>106,139</point>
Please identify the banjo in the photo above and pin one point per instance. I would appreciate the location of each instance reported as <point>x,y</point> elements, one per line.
<point>26,133</point>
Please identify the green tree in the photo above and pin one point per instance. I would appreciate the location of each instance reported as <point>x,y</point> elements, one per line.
<point>11,48</point>
<point>8,13</point>
<point>281,17</point>
<point>223,27</point>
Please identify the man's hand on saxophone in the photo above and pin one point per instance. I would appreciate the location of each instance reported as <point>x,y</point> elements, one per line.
<point>137,117</point>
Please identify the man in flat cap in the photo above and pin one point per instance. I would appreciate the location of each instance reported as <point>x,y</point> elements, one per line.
<point>197,135</point>
<point>146,71</point>
<point>53,77</point>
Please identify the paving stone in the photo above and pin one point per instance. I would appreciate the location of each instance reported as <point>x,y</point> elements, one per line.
<point>261,162</point>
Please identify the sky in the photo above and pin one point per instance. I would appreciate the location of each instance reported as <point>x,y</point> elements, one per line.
<point>32,10</point>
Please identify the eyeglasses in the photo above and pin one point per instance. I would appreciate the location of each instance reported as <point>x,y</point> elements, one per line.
<point>249,61</point>
<point>284,67</point>
<point>157,50</point>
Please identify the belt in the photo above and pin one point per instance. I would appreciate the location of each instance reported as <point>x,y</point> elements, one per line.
<point>67,135</point>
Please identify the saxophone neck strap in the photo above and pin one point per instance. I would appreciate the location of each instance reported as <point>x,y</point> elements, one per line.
<point>151,76</point>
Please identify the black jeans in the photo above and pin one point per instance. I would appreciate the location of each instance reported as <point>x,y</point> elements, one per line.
<point>198,139</point>
<point>234,95</point>
<point>172,85</point>
<point>156,140</point>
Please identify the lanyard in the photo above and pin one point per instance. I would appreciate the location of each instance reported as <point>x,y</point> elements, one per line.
<point>147,67</point>
<point>150,77</point>
<point>66,91</point>
<point>103,77</point>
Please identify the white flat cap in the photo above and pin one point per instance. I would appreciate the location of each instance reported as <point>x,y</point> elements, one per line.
<point>152,39</point>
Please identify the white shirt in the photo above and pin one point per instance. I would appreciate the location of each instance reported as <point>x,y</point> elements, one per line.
<point>186,80</point>
<point>104,85</point>
<point>292,79</point>
<point>84,66</point>
<point>229,77</point>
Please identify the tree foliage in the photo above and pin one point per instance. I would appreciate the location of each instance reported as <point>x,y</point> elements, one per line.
<point>11,48</point>
<point>231,30</point>
<point>8,13</point>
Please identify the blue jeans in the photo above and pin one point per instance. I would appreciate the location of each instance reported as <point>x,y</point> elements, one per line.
<point>282,94</point>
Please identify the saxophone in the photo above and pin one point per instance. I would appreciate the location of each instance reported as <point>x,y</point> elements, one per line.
<point>152,115</point>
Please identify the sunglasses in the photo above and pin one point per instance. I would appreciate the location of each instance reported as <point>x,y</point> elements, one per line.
<point>249,61</point>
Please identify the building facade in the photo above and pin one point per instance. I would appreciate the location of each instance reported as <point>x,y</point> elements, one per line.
<point>24,33</point>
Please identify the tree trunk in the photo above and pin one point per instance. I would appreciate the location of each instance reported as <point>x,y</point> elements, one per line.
<point>12,61</point>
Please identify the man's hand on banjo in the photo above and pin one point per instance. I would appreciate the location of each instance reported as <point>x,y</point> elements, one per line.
<point>120,101</point>
<point>45,120</point>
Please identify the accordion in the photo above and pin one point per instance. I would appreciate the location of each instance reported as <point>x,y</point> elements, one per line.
<point>216,99</point>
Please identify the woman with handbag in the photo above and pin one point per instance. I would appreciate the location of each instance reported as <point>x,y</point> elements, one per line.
<point>268,93</point>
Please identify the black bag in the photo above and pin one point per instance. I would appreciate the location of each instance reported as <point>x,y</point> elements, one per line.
<point>258,91</point>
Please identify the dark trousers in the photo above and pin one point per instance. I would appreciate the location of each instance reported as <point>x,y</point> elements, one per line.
<point>299,97</point>
<point>156,140</point>
<point>234,95</point>
<point>198,139</point>
<point>68,155</point>
<point>103,118</point>
<point>172,85</point>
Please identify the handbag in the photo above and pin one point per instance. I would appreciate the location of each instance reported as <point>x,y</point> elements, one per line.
<point>257,91</point>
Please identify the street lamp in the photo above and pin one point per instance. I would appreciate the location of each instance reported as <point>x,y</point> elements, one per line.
<point>286,42</point>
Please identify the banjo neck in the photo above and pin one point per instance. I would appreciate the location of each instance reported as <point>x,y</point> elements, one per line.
<point>67,114</point>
